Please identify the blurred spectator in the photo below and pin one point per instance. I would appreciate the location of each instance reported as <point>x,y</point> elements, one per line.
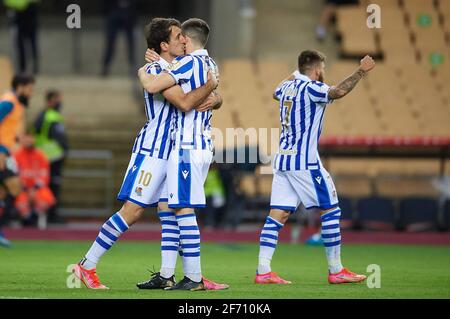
<point>120,15</point>
<point>12,111</point>
<point>328,12</point>
<point>23,20</point>
<point>215,198</point>
<point>51,138</point>
<point>34,172</point>
<point>9,188</point>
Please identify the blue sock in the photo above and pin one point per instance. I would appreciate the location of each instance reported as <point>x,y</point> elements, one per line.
<point>331,236</point>
<point>109,233</point>
<point>267,244</point>
<point>170,242</point>
<point>190,245</point>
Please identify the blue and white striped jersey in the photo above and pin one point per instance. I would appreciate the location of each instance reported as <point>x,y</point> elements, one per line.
<point>302,107</point>
<point>154,137</point>
<point>192,130</point>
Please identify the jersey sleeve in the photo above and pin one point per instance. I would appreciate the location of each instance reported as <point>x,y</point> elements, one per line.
<point>154,68</point>
<point>5,108</point>
<point>181,68</point>
<point>279,90</point>
<point>318,92</point>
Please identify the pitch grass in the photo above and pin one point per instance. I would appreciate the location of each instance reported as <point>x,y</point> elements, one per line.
<point>37,269</point>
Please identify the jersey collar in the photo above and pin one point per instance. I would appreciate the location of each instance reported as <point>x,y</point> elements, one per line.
<point>163,63</point>
<point>301,77</point>
<point>200,52</point>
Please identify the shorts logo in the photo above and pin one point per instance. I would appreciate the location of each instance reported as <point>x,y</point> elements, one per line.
<point>134,168</point>
<point>185,174</point>
<point>171,195</point>
<point>319,179</point>
<point>138,191</point>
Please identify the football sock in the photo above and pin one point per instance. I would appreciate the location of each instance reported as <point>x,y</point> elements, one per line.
<point>170,241</point>
<point>267,244</point>
<point>190,244</point>
<point>331,237</point>
<point>109,233</point>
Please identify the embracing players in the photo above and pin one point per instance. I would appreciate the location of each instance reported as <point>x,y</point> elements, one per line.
<point>144,182</point>
<point>299,176</point>
<point>192,154</point>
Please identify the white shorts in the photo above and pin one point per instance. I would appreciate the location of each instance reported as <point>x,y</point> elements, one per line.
<point>313,188</point>
<point>186,174</point>
<point>144,181</point>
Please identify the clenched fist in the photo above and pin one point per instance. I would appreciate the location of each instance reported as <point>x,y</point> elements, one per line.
<point>367,63</point>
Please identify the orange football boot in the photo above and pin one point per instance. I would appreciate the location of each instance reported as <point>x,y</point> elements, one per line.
<point>271,278</point>
<point>211,285</point>
<point>88,277</point>
<point>345,276</point>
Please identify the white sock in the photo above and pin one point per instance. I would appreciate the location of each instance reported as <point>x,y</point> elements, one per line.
<point>170,242</point>
<point>190,244</point>
<point>267,244</point>
<point>331,237</point>
<point>109,233</point>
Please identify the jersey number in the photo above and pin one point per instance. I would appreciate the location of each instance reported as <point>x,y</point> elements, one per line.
<point>145,177</point>
<point>288,105</point>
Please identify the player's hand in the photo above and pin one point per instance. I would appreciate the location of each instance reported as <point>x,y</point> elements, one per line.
<point>213,79</point>
<point>207,104</point>
<point>367,63</point>
<point>151,56</point>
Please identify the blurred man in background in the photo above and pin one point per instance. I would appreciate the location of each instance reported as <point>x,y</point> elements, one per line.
<point>328,13</point>
<point>12,111</point>
<point>51,138</point>
<point>23,20</point>
<point>10,187</point>
<point>120,15</point>
<point>34,172</point>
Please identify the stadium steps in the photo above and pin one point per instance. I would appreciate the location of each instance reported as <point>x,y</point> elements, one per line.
<point>100,114</point>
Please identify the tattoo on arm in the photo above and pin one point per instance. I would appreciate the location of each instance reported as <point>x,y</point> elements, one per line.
<point>343,88</point>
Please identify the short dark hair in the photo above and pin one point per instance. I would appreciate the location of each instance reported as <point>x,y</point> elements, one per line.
<point>197,29</point>
<point>21,79</point>
<point>308,59</point>
<point>158,30</point>
<point>51,94</point>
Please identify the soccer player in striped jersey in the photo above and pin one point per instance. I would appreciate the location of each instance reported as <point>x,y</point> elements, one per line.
<point>143,184</point>
<point>299,176</point>
<point>192,154</point>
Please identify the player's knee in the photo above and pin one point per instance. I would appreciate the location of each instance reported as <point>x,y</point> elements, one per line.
<point>163,207</point>
<point>131,212</point>
<point>279,215</point>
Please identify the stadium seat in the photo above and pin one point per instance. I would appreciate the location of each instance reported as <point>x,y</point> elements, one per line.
<point>357,39</point>
<point>418,214</point>
<point>376,213</point>
<point>446,215</point>
<point>347,212</point>
<point>6,74</point>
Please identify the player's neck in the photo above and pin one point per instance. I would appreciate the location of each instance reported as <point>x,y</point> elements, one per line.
<point>167,56</point>
<point>193,48</point>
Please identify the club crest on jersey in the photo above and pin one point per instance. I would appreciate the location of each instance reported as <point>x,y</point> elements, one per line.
<point>173,66</point>
<point>319,179</point>
<point>185,174</point>
<point>138,191</point>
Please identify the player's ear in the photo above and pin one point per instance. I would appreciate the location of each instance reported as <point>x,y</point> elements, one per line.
<point>164,46</point>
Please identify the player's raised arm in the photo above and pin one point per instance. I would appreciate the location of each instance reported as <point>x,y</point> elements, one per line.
<point>155,83</point>
<point>343,88</point>
<point>186,102</point>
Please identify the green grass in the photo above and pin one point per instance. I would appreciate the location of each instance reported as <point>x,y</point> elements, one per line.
<point>37,269</point>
